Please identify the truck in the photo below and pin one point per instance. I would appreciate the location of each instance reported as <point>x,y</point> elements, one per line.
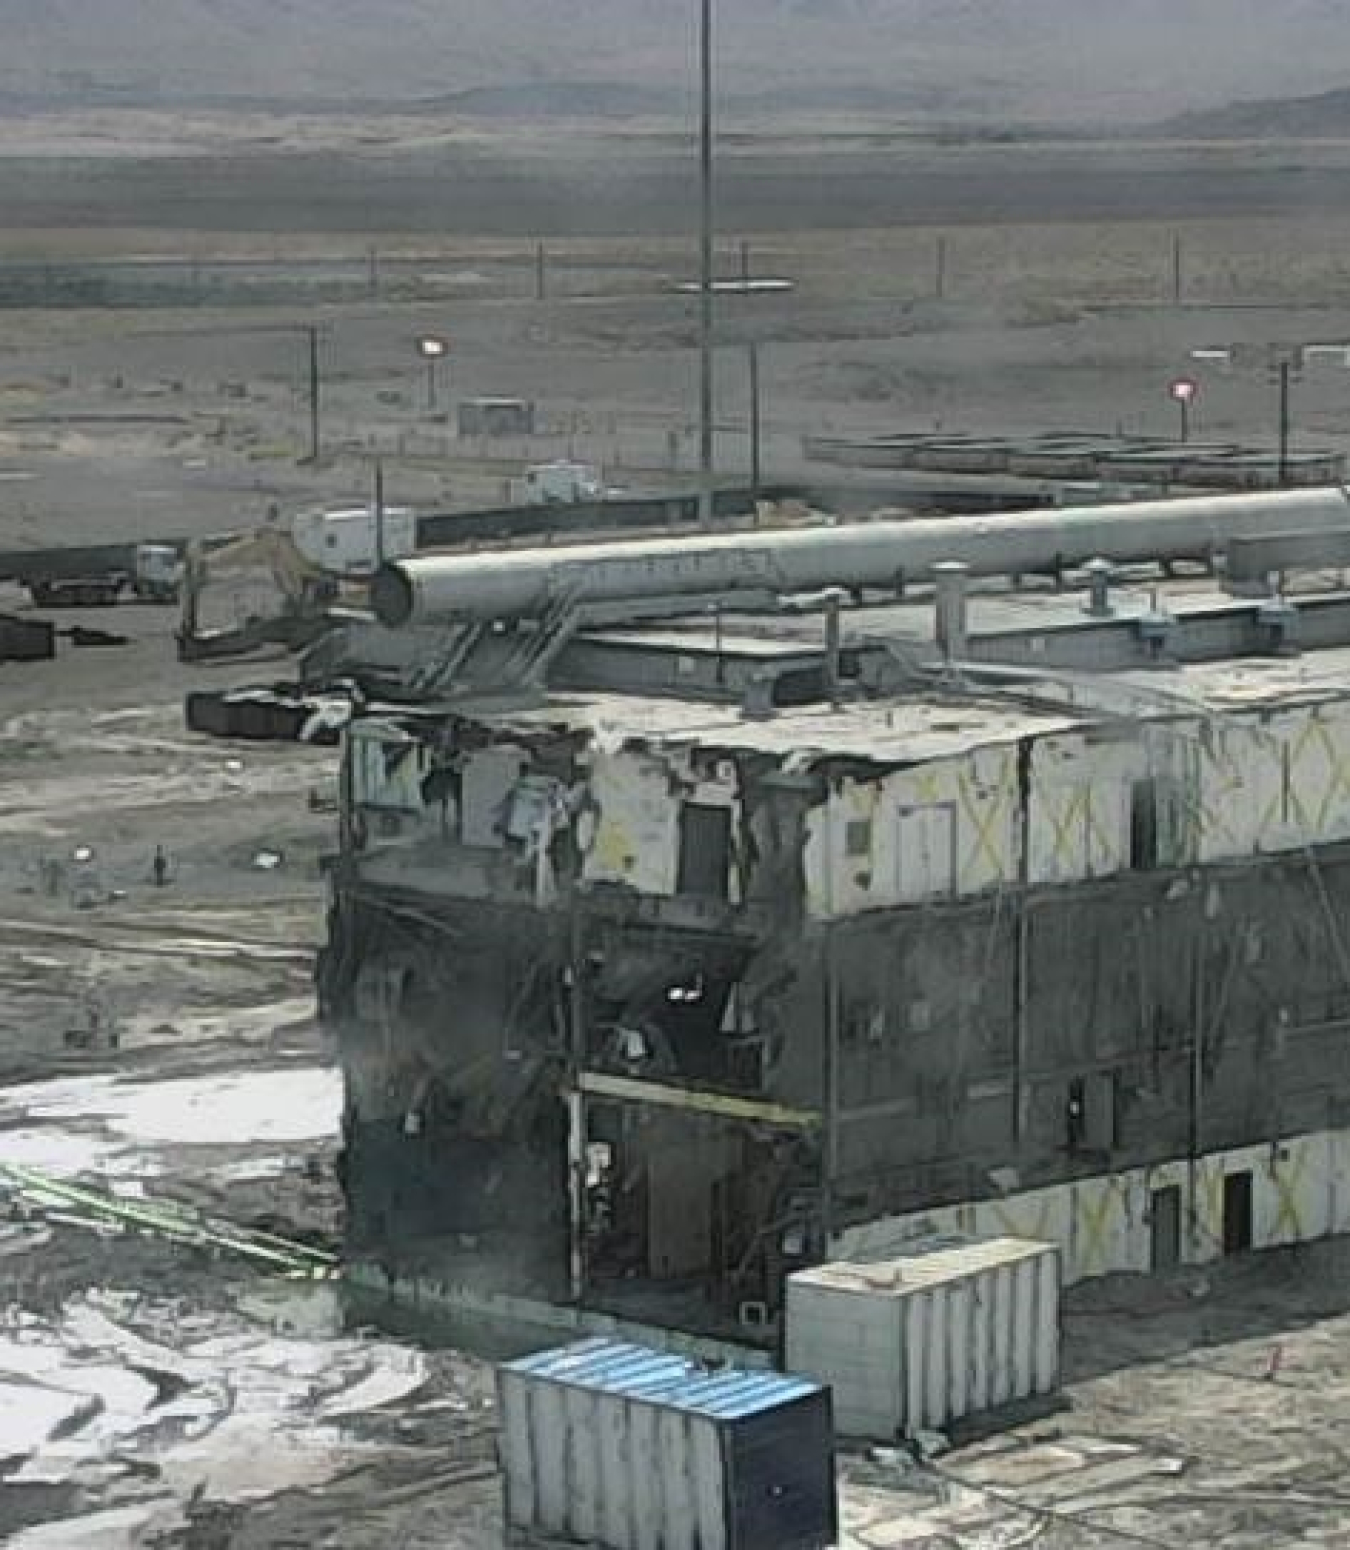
<point>154,576</point>
<point>157,573</point>
<point>561,484</point>
<point>92,591</point>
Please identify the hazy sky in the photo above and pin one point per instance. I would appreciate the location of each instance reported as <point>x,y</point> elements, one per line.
<point>1035,58</point>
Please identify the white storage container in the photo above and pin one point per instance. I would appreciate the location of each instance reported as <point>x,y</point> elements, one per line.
<point>350,542</point>
<point>951,1328</point>
<point>616,1445</point>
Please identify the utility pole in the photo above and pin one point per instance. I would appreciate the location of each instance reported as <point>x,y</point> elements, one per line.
<point>1178,276</point>
<point>1286,371</point>
<point>940,269</point>
<point>745,263</point>
<point>540,273</point>
<point>756,441</point>
<point>314,445</point>
<point>705,328</point>
<point>379,511</point>
<point>373,273</point>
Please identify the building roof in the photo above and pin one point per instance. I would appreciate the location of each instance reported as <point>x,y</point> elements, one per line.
<point>926,1263</point>
<point>991,610</point>
<point>915,730</point>
<point>1255,682</point>
<point>659,1378</point>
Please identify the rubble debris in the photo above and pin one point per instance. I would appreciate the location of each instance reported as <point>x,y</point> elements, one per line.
<point>96,1031</point>
<point>929,1445</point>
<point>278,714</point>
<point>82,635</point>
<point>26,640</point>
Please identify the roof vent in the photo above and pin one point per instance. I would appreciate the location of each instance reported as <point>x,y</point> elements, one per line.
<point>757,700</point>
<point>1278,621</point>
<point>952,577</point>
<point>1156,629</point>
<point>1098,603</point>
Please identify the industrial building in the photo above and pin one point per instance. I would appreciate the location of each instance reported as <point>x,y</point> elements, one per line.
<point>708,908</point>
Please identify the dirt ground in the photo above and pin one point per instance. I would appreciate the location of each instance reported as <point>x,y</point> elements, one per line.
<point>137,1374</point>
<point>179,403</point>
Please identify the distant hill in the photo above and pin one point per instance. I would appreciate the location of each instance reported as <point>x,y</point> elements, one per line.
<point>1325,116</point>
<point>1106,61</point>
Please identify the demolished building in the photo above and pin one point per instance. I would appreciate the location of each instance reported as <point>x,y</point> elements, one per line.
<point>785,932</point>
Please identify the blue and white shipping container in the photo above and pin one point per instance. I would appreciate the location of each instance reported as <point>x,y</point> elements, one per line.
<point>632,1449</point>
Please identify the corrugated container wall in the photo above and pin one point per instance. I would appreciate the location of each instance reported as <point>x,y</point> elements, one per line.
<point>953,1328</point>
<point>616,1445</point>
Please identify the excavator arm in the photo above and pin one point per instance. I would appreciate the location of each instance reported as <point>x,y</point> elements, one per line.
<point>259,590</point>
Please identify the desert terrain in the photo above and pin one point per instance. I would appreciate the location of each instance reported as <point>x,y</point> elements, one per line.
<point>162,1385</point>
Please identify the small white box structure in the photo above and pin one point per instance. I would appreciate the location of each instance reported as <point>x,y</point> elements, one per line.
<point>951,1328</point>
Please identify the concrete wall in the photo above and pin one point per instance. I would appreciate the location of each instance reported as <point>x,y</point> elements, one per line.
<point>1057,809</point>
<point>1170,1009</point>
<point>635,797</point>
<point>1277,782</point>
<point>1220,789</point>
<point>1103,1225</point>
<point>939,830</point>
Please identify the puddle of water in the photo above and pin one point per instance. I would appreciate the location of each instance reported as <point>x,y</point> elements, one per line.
<point>238,1109</point>
<point>266,1106</point>
<point>118,1528</point>
<point>68,1155</point>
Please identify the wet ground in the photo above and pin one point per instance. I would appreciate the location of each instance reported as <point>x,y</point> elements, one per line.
<point>170,1373</point>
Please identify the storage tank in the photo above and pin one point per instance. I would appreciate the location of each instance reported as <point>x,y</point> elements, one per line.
<point>616,1445</point>
<point>951,1328</point>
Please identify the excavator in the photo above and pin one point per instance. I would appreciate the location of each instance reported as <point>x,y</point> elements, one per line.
<point>242,593</point>
<point>276,585</point>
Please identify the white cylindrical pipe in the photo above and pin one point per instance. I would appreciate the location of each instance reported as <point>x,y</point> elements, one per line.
<point>526,583</point>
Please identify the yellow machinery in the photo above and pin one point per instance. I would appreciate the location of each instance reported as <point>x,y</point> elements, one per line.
<point>257,589</point>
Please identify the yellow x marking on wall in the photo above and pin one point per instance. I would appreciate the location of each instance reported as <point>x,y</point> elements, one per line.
<point>926,786</point>
<point>984,832</point>
<point>1100,843</point>
<point>1025,1222</point>
<point>1065,832</point>
<point>1286,1177</point>
<point>1305,780</point>
<point>1093,1207</point>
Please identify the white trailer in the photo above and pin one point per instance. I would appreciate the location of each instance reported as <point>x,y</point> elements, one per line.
<point>561,484</point>
<point>354,541</point>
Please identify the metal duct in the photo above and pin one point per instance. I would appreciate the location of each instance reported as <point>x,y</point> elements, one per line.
<point>952,615</point>
<point>527,583</point>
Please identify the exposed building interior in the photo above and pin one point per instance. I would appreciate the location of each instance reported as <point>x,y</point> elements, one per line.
<point>741,934</point>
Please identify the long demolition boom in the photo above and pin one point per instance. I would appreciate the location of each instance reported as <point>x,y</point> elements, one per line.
<point>527,583</point>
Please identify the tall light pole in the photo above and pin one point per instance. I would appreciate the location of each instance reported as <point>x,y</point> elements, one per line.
<point>1285,371</point>
<point>312,331</point>
<point>433,350</point>
<point>378,503</point>
<point>705,316</point>
<point>756,424</point>
<point>1183,392</point>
